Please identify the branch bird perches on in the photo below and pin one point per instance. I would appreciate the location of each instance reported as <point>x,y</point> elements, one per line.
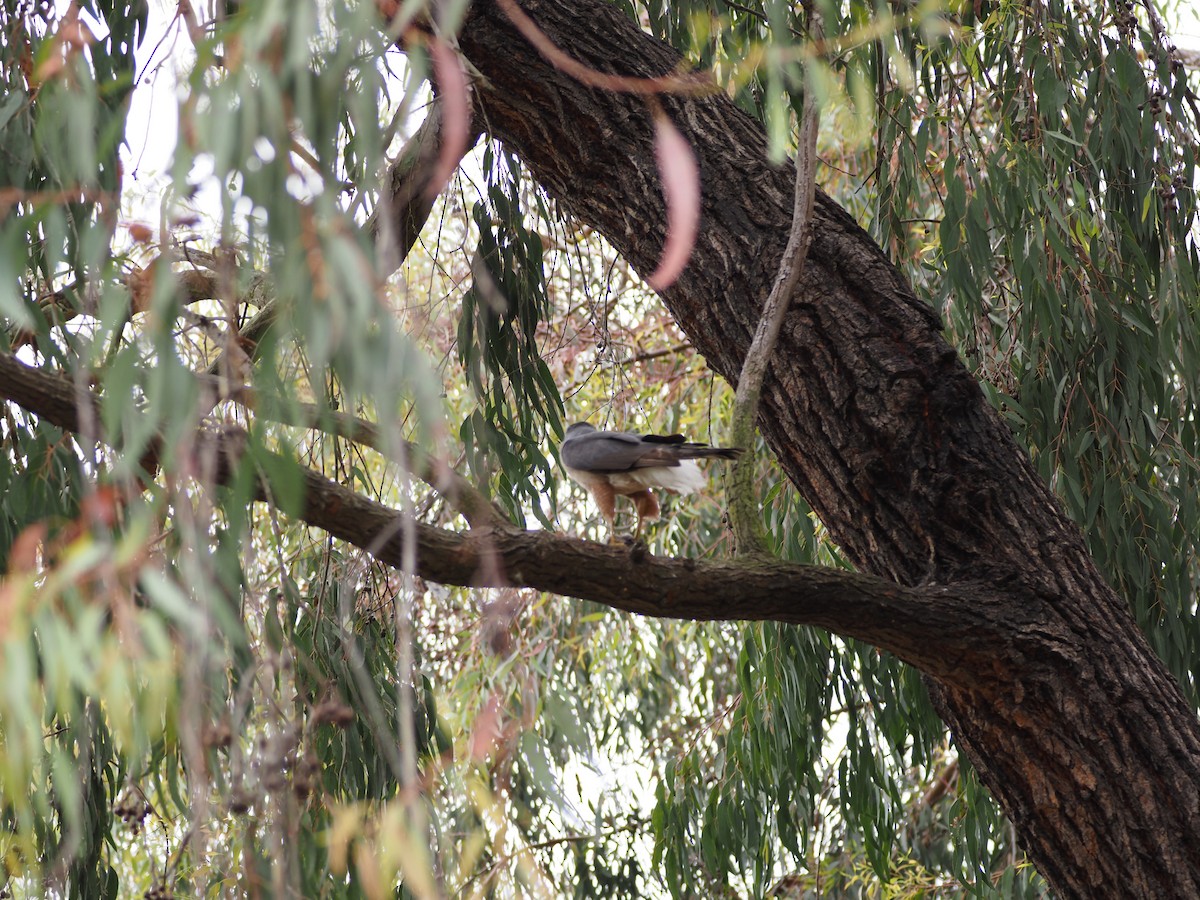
<point>916,624</point>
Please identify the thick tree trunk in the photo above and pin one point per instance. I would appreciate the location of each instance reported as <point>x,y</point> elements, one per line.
<point>1072,722</point>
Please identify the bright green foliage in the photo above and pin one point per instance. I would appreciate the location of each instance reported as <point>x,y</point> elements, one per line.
<point>202,696</point>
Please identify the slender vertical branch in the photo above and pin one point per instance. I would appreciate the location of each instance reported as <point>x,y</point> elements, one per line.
<point>744,515</point>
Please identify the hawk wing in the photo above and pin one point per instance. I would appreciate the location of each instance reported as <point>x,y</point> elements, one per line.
<point>610,451</point>
<point>622,451</point>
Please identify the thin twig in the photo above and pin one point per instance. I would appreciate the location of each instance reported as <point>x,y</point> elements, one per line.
<point>546,845</point>
<point>657,354</point>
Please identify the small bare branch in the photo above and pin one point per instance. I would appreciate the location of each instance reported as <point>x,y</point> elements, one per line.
<point>745,518</point>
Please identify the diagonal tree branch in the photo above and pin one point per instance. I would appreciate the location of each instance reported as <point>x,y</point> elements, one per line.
<point>397,221</point>
<point>941,629</point>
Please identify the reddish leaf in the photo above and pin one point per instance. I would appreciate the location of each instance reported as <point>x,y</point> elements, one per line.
<point>141,287</point>
<point>74,33</point>
<point>681,189</point>
<point>23,556</point>
<point>486,730</point>
<point>141,233</point>
<point>101,506</point>
<point>456,112</point>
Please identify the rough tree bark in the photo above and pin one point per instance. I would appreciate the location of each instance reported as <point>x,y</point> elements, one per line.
<point>1070,719</point>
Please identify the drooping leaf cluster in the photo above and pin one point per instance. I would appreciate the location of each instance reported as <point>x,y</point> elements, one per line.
<point>62,119</point>
<point>500,342</point>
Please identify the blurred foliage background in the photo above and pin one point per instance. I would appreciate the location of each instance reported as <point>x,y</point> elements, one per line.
<point>203,697</point>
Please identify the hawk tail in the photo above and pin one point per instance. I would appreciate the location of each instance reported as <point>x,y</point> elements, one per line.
<point>699,451</point>
<point>684,449</point>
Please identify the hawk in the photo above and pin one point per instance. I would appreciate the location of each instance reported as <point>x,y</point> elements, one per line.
<point>619,463</point>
